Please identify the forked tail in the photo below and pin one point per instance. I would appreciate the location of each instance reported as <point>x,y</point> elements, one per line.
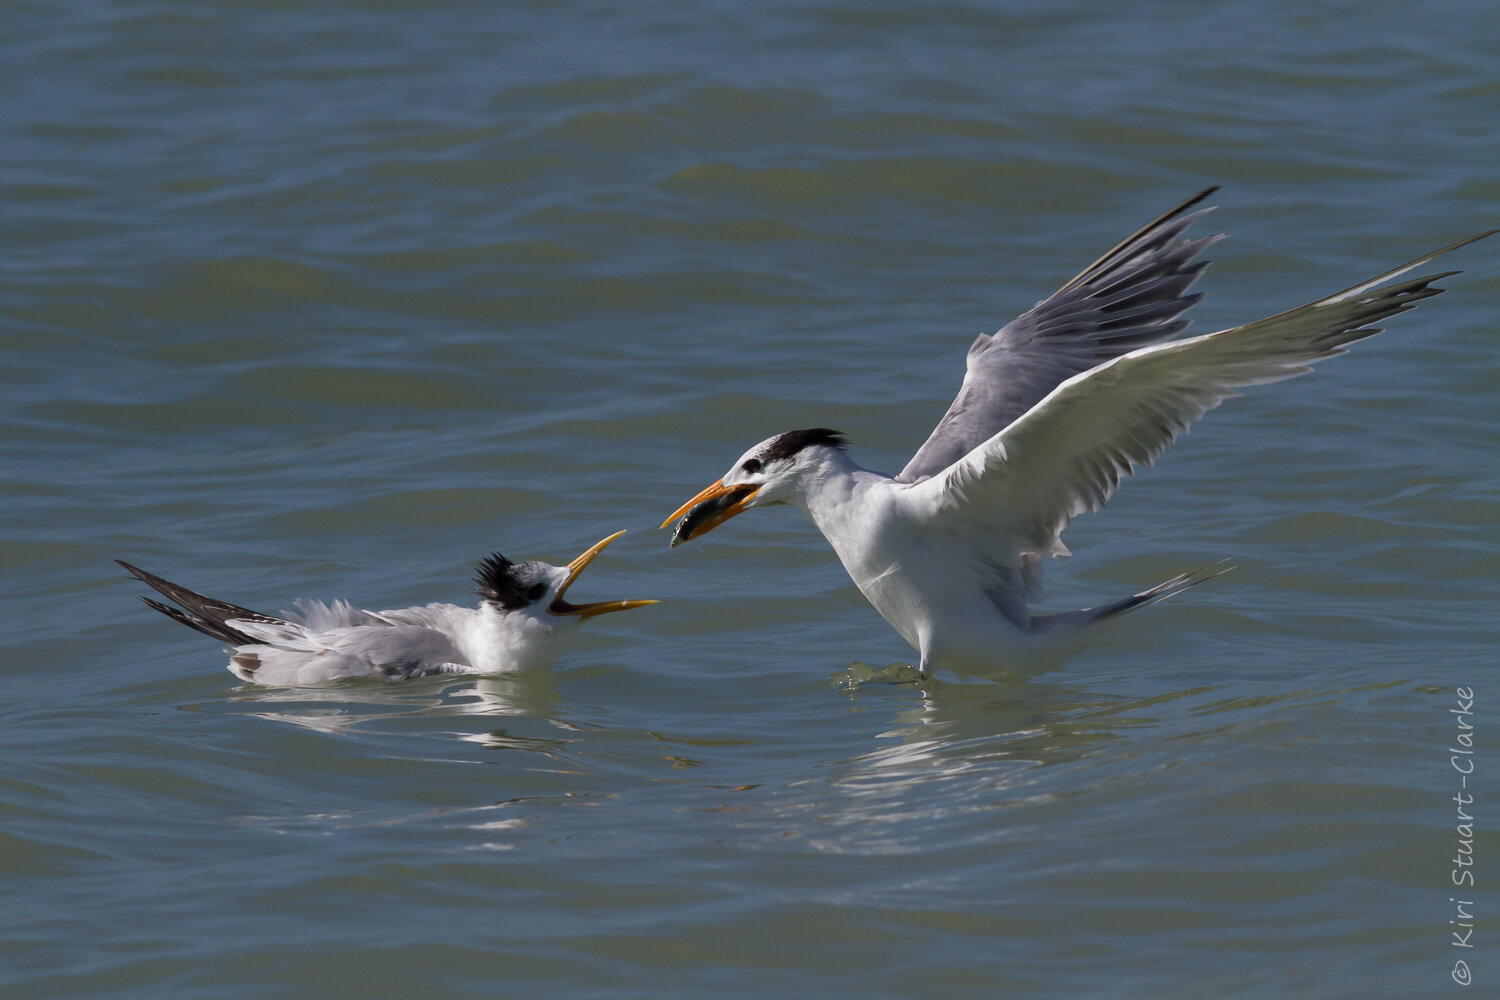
<point>1160,592</point>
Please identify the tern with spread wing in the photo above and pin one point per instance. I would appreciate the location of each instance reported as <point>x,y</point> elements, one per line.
<point>1054,410</point>
<point>519,625</point>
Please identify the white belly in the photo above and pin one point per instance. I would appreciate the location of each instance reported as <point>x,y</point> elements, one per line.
<point>943,605</point>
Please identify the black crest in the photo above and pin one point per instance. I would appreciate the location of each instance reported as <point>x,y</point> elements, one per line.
<point>788,444</point>
<point>500,584</point>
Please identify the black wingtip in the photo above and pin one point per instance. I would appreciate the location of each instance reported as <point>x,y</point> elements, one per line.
<point>1195,199</point>
<point>1172,213</point>
<point>1118,252</point>
<point>1465,242</point>
<point>203,614</point>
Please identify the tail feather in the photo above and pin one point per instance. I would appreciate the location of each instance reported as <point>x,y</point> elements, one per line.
<point>1160,592</point>
<point>203,614</point>
<point>221,632</point>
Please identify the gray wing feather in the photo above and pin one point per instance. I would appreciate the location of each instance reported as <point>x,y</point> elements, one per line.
<point>318,616</point>
<point>1068,454</point>
<point>1131,297</point>
<point>397,651</point>
<point>406,643</point>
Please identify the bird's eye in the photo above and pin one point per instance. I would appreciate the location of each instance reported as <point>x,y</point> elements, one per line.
<point>536,592</point>
<point>752,465</point>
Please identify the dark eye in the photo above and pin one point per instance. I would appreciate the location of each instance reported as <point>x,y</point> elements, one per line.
<point>752,465</point>
<point>536,592</point>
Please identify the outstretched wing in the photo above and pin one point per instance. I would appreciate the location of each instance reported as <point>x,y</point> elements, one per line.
<point>1129,298</point>
<point>1068,454</point>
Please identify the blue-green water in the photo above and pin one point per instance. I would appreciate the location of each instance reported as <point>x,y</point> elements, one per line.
<point>330,301</point>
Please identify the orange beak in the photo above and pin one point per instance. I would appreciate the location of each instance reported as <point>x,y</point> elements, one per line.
<point>577,566</point>
<point>709,509</point>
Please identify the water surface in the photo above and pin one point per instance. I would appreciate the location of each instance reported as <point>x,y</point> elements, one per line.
<point>333,301</point>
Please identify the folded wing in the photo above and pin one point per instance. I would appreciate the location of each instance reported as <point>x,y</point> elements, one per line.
<point>341,640</point>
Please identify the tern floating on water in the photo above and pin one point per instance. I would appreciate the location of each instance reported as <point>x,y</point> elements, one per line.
<point>1055,409</point>
<point>519,624</point>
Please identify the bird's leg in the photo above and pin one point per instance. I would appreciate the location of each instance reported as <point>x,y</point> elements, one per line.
<point>924,665</point>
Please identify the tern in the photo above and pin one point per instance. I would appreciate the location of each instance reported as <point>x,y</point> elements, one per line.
<point>1055,409</point>
<point>518,626</point>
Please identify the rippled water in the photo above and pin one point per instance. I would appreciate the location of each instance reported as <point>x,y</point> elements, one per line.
<point>331,301</point>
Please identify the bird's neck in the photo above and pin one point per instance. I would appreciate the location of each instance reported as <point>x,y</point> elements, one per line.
<point>830,493</point>
<point>497,642</point>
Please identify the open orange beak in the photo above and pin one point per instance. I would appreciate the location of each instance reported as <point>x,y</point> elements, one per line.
<point>577,566</point>
<point>709,509</point>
